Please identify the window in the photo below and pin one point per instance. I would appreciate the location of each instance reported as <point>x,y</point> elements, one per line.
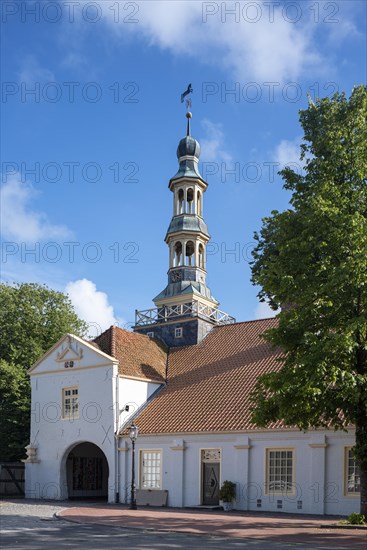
<point>150,469</point>
<point>70,403</point>
<point>352,476</point>
<point>180,202</point>
<point>279,471</point>
<point>190,253</point>
<point>177,260</point>
<point>150,334</point>
<point>178,332</point>
<point>190,201</point>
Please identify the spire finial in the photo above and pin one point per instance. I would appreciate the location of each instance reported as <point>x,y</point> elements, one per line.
<point>188,116</point>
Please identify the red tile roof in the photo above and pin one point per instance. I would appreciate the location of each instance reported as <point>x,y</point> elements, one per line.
<point>138,355</point>
<point>209,384</point>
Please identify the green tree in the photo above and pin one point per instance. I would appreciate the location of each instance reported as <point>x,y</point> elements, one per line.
<point>14,411</point>
<point>32,318</point>
<point>314,258</point>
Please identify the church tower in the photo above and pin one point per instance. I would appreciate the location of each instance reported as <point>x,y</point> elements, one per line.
<point>186,309</point>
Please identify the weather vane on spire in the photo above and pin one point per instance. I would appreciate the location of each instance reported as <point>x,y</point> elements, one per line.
<point>188,100</point>
<point>188,106</point>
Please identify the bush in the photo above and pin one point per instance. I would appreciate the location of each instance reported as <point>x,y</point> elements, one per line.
<point>356,519</point>
<point>227,492</point>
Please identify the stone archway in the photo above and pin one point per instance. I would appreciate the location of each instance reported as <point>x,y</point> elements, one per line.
<point>86,472</point>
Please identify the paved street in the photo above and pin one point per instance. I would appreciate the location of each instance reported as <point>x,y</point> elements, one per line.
<point>27,525</point>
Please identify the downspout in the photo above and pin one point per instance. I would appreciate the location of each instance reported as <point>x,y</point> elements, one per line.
<point>117,458</point>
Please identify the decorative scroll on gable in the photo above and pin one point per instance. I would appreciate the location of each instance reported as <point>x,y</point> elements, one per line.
<point>70,354</point>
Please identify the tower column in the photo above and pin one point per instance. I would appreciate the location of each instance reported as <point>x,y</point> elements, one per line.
<point>171,254</point>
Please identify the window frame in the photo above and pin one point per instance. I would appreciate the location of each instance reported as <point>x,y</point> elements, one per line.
<point>180,331</point>
<point>280,492</point>
<point>70,416</point>
<point>141,469</point>
<point>347,457</point>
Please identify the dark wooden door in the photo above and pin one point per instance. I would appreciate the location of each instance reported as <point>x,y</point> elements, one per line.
<point>211,483</point>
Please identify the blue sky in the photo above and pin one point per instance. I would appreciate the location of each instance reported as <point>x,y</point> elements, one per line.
<point>91,119</point>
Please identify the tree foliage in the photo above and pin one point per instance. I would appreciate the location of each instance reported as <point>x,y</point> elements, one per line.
<point>314,258</point>
<point>14,411</point>
<point>32,318</point>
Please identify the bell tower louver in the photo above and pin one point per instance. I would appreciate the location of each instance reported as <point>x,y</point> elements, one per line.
<point>186,309</point>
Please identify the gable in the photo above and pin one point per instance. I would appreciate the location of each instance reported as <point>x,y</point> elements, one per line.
<point>138,355</point>
<point>71,353</point>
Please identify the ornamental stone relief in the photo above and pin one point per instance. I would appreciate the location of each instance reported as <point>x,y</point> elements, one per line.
<point>210,455</point>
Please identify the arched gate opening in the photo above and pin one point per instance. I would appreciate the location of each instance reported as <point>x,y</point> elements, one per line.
<point>87,472</point>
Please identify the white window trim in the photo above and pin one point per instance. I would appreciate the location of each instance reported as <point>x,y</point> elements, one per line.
<point>69,416</point>
<point>283,493</point>
<point>141,451</point>
<point>178,332</point>
<point>150,334</point>
<point>349,494</point>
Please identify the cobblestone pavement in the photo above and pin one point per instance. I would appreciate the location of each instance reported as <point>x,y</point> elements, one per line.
<point>31,525</point>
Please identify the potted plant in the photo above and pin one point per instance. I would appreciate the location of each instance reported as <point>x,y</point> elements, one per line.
<point>227,494</point>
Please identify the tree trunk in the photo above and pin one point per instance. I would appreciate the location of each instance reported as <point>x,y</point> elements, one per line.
<point>361,457</point>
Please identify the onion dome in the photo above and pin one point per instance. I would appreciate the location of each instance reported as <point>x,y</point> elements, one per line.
<point>188,153</point>
<point>188,146</point>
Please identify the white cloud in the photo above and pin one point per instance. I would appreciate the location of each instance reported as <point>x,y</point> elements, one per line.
<point>264,311</point>
<point>91,305</point>
<point>255,47</point>
<point>19,221</point>
<point>212,146</point>
<point>75,60</point>
<point>287,152</point>
<point>31,71</point>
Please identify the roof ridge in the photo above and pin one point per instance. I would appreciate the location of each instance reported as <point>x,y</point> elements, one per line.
<point>113,340</point>
<point>245,322</point>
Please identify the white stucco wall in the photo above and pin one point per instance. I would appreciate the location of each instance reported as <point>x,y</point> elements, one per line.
<point>54,436</point>
<point>319,469</point>
<point>133,393</point>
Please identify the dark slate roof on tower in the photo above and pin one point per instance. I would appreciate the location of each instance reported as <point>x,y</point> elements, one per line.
<point>188,222</point>
<point>186,287</point>
<point>139,356</point>
<point>209,384</point>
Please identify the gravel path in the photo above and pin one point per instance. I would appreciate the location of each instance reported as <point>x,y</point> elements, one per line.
<point>30,514</point>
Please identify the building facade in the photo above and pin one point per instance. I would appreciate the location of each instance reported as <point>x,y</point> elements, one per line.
<point>184,377</point>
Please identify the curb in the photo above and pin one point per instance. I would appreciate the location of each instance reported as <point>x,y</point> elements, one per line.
<point>343,526</point>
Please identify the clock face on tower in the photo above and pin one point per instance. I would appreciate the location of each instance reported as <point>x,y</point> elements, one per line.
<point>176,276</point>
